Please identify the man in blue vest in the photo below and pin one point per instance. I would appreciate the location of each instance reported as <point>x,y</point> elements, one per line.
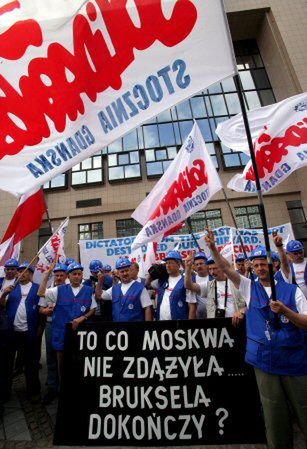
<point>46,309</point>
<point>298,265</point>
<point>10,269</point>
<point>174,301</point>
<point>276,345</point>
<point>21,303</point>
<point>240,264</point>
<point>73,303</point>
<point>130,299</point>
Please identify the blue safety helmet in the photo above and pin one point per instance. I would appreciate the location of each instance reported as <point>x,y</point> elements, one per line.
<point>107,267</point>
<point>240,258</point>
<point>26,266</point>
<point>294,245</point>
<point>173,255</point>
<point>60,267</point>
<point>275,256</point>
<point>11,263</point>
<point>69,261</point>
<point>259,253</point>
<point>210,260</point>
<point>95,266</point>
<point>200,255</point>
<point>74,266</point>
<point>122,263</point>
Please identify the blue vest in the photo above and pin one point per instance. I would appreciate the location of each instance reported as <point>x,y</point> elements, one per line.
<point>1,282</point>
<point>279,277</point>
<point>67,308</point>
<point>32,309</point>
<point>293,273</point>
<point>178,304</point>
<point>128,307</point>
<point>285,351</point>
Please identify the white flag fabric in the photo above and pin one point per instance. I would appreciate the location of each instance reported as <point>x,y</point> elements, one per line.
<point>185,188</point>
<point>280,144</point>
<point>6,250</point>
<point>77,75</point>
<point>52,251</point>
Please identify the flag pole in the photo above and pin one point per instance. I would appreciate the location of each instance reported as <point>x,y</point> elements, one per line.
<point>48,216</point>
<point>188,221</point>
<point>258,186</point>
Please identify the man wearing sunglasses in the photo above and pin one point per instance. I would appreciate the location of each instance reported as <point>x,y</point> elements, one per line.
<point>298,265</point>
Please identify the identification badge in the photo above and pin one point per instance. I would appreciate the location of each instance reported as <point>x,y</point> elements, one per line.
<point>267,334</point>
<point>83,309</point>
<point>131,307</point>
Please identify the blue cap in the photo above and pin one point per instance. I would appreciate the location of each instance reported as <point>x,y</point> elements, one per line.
<point>275,256</point>
<point>69,260</point>
<point>60,267</point>
<point>11,263</point>
<point>294,245</point>
<point>210,260</point>
<point>122,263</point>
<point>95,266</point>
<point>74,266</point>
<point>173,255</point>
<point>200,255</point>
<point>240,258</point>
<point>26,266</point>
<point>259,253</point>
<point>107,267</point>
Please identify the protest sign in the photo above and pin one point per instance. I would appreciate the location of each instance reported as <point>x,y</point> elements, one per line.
<point>110,250</point>
<point>158,384</point>
<point>76,75</point>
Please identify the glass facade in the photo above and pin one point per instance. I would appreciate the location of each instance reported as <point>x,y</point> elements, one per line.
<point>248,217</point>
<point>127,227</point>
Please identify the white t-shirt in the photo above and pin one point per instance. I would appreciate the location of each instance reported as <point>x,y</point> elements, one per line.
<point>6,283</point>
<point>299,270</point>
<point>20,321</point>
<point>145,299</point>
<point>300,299</point>
<point>51,297</point>
<point>201,311</point>
<point>221,291</point>
<point>165,308</point>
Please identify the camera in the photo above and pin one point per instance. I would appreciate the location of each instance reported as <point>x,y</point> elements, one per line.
<point>158,271</point>
<point>220,313</point>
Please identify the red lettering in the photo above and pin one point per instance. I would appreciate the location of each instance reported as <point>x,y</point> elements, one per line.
<point>275,149</point>
<point>55,84</point>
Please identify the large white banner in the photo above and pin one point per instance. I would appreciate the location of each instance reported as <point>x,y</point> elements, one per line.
<point>110,250</point>
<point>186,187</point>
<point>279,134</point>
<point>77,75</point>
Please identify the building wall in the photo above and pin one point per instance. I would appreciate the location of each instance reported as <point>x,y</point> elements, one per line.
<point>279,26</point>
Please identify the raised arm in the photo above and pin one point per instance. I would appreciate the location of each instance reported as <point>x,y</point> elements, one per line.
<point>43,286</point>
<point>284,263</point>
<point>188,281</point>
<point>298,319</point>
<point>221,261</point>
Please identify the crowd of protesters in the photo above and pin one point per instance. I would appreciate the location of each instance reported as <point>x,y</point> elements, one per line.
<point>199,287</point>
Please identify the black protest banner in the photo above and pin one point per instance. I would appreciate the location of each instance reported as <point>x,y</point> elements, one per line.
<point>158,384</point>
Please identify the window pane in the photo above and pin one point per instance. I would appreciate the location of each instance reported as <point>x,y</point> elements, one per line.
<point>215,89</point>
<point>208,105</point>
<point>267,97</point>
<point>172,152</point>
<point>132,171</point>
<point>123,159</point>
<point>165,116</point>
<point>130,141</point>
<point>218,105</point>
<point>166,164</point>
<point>134,157</point>
<point>252,100</point>
<point>184,110</point>
<point>154,168</point>
<point>247,80</point>
<point>112,160</point>
<point>115,147</point>
<point>261,79</point>
<point>116,173</point>
<point>248,62</point>
<point>185,128</point>
<point>97,162</point>
<point>177,133</point>
<point>150,155</point>
<point>59,181</point>
<point>198,107</point>
<point>151,136</point>
<point>166,134</point>
<point>233,103</point>
<point>76,167</point>
<point>232,160</point>
<point>205,129</point>
<point>140,137</point>
<point>94,176</point>
<point>78,178</point>
<point>258,60</point>
<point>87,164</point>
<point>161,154</point>
<point>229,85</point>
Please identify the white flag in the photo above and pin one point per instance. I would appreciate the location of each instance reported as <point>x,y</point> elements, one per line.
<point>185,188</point>
<point>280,140</point>
<point>52,251</point>
<point>76,75</point>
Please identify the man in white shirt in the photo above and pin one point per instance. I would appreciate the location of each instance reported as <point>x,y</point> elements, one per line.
<point>21,303</point>
<point>201,269</point>
<point>298,265</point>
<point>276,345</point>
<point>175,302</point>
<point>130,299</point>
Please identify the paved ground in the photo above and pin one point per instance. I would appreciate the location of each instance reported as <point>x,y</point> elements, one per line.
<point>27,426</point>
